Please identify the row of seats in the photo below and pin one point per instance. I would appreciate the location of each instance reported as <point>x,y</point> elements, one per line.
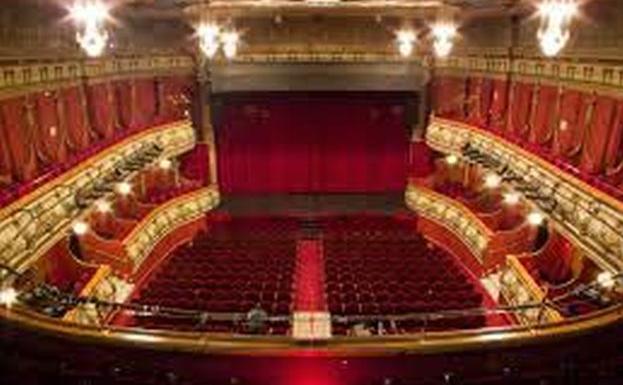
<point>235,265</point>
<point>394,275</point>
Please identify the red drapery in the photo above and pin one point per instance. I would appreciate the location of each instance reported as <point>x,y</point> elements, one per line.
<point>145,102</point>
<point>448,95</point>
<point>486,96</point>
<point>592,161</point>
<point>50,135</point>
<point>294,143</point>
<point>499,101</point>
<point>474,101</point>
<point>521,109</point>
<point>19,138</point>
<point>545,114</point>
<point>78,132</point>
<point>102,110</point>
<point>570,131</point>
<point>124,103</point>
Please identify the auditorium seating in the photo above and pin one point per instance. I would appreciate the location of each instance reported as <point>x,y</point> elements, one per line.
<point>382,266</point>
<point>235,265</point>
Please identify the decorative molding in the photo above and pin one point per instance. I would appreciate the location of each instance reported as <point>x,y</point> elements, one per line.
<point>573,73</point>
<point>451,215</point>
<point>32,224</point>
<point>40,76</point>
<point>583,213</point>
<point>165,219</point>
<point>519,288</point>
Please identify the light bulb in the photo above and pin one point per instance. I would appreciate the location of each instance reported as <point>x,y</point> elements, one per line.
<point>230,41</point>
<point>512,198</point>
<point>80,228</point>
<point>443,38</point>
<point>606,280</point>
<point>405,39</point>
<point>165,164</point>
<point>556,17</point>
<point>492,180</point>
<point>452,159</point>
<point>535,218</point>
<point>103,206</point>
<point>124,188</point>
<point>208,39</point>
<point>8,296</point>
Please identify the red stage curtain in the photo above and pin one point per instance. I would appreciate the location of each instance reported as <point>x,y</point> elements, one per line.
<point>545,115</point>
<point>448,96</point>
<point>50,134</point>
<point>498,110</point>
<point>521,110</point>
<point>596,140</point>
<point>19,138</point>
<point>102,109</point>
<point>569,135</point>
<point>78,131</point>
<point>281,143</point>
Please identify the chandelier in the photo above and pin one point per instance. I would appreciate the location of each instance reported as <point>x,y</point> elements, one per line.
<point>556,18</point>
<point>89,17</point>
<point>443,38</point>
<point>405,39</point>
<point>212,37</point>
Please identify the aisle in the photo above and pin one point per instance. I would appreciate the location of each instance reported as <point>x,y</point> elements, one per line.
<point>309,295</point>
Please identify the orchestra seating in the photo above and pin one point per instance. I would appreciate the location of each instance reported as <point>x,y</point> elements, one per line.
<point>237,264</point>
<point>380,266</point>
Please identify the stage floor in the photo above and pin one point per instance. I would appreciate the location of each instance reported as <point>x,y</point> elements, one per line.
<point>312,204</point>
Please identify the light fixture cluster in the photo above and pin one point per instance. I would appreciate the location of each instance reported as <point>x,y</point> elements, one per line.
<point>90,17</point>
<point>212,37</point>
<point>555,30</point>
<point>443,35</point>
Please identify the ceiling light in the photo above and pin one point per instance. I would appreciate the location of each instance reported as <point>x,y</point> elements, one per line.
<point>89,17</point>
<point>606,280</point>
<point>443,38</point>
<point>405,40</point>
<point>80,228</point>
<point>535,218</point>
<point>103,206</point>
<point>492,180</point>
<point>165,164</point>
<point>208,39</point>
<point>512,198</point>
<point>556,17</point>
<point>8,296</point>
<point>452,159</point>
<point>124,188</point>
<point>230,41</point>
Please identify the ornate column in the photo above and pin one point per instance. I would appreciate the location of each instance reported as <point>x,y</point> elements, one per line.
<point>204,116</point>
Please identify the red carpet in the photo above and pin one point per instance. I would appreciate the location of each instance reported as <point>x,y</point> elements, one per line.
<point>309,276</point>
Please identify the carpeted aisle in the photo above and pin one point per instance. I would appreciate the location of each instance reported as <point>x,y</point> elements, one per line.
<point>309,295</point>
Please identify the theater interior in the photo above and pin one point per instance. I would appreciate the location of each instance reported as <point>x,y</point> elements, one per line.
<point>311,192</point>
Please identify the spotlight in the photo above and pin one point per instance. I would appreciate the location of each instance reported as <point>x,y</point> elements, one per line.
<point>606,280</point>
<point>80,228</point>
<point>535,218</point>
<point>8,296</point>
<point>165,164</point>
<point>452,159</point>
<point>492,180</point>
<point>208,39</point>
<point>103,206</point>
<point>443,36</point>
<point>512,198</point>
<point>556,18</point>
<point>405,40</point>
<point>124,188</point>
<point>230,41</point>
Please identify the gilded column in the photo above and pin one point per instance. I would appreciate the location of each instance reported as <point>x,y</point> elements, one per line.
<point>204,117</point>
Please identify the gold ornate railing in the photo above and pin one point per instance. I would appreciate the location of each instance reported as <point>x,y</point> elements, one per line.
<point>583,213</point>
<point>33,223</point>
<point>165,219</point>
<point>452,215</point>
